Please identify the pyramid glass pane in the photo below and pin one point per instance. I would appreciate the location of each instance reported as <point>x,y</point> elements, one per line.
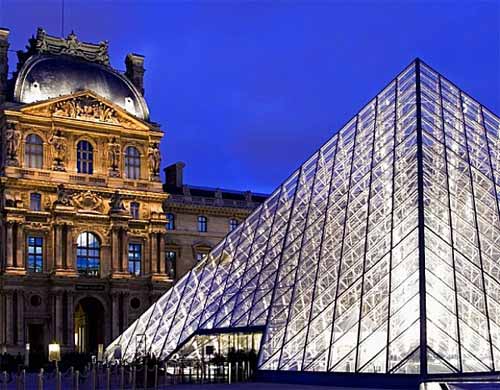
<point>380,254</point>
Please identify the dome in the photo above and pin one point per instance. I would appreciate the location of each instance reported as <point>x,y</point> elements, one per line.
<point>44,77</point>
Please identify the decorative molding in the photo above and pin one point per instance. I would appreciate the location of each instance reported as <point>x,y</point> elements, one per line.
<point>88,201</point>
<point>44,43</point>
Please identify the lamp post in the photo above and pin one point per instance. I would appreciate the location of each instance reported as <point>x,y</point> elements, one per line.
<point>27,355</point>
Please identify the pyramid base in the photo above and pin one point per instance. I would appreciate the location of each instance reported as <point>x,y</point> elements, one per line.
<point>375,381</point>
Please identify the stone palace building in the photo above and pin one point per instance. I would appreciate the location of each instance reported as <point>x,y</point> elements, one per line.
<point>90,236</point>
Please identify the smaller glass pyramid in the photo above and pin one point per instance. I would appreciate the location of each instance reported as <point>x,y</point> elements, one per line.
<point>380,254</point>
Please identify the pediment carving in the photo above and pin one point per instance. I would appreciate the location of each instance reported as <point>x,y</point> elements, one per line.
<point>84,106</point>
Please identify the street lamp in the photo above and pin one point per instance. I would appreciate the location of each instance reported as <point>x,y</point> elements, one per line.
<point>54,353</point>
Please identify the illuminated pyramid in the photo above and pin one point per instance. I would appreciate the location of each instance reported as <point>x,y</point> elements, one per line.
<point>381,253</point>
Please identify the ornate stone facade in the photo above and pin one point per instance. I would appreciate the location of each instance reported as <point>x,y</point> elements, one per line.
<point>66,225</point>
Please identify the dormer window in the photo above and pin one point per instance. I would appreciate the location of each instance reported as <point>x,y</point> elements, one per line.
<point>85,157</point>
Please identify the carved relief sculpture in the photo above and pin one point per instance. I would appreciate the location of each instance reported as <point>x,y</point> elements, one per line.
<point>87,108</point>
<point>58,143</point>
<point>12,141</point>
<point>154,158</point>
<point>88,201</point>
<point>114,158</point>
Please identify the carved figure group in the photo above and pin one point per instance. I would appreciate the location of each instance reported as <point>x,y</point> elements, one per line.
<point>63,198</point>
<point>85,107</point>
<point>88,201</point>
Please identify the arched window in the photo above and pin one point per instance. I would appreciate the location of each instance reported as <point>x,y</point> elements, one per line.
<point>132,163</point>
<point>33,152</point>
<point>170,221</point>
<point>88,254</point>
<point>85,157</point>
<point>202,223</point>
<point>233,224</point>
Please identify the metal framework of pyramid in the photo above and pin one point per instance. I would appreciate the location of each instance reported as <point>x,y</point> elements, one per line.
<point>379,254</point>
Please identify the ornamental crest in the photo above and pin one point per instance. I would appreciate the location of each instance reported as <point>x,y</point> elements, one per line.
<point>88,201</point>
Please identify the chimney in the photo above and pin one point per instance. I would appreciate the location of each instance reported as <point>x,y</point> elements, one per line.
<point>134,64</point>
<point>4,62</point>
<point>174,175</point>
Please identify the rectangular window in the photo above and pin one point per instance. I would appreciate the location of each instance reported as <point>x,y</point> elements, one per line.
<point>35,201</point>
<point>134,258</point>
<point>171,260</point>
<point>35,254</point>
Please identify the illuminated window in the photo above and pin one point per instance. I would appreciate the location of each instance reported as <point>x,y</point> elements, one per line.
<point>33,151</point>
<point>35,254</point>
<point>134,258</point>
<point>171,262</point>
<point>85,157</point>
<point>88,254</point>
<point>170,221</point>
<point>35,201</point>
<point>200,256</point>
<point>132,163</point>
<point>233,224</point>
<point>134,210</point>
<point>202,223</point>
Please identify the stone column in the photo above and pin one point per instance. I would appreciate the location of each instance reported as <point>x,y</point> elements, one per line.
<point>124,257</point>
<point>162,254</point>
<point>58,319</point>
<point>115,251</point>
<point>115,312</point>
<point>154,250</point>
<point>20,318</point>
<point>126,307</point>
<point>69,248</point>
<point>70,313</point>
<point>10,245</point>
<point>2,318</point>
<point>58,243</point>
<point>19,260</point>
<point>9,325</point>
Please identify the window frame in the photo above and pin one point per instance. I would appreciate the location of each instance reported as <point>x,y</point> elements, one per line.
<point>132,163</point>
<point>134,258</point>
<point>87,257</point>
<point>135,208</point>
<point>33,151</point>
<point>170,225</point>
<point>202,224</point>
<point>233,224</point>
<point>37,257</point>
<point>85,157</point>
<point>34,195</point>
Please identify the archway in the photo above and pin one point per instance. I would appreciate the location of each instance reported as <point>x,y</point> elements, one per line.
<point>89,325</point>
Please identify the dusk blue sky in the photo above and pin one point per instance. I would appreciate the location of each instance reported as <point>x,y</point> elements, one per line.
<point>246,91</point>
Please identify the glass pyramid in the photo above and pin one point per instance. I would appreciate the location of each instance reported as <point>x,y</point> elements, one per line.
<point>379,254</point>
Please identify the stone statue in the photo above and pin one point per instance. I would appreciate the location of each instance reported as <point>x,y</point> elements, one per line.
<point>58,143</point>
<point>116,203</point>
<point>63,198</point>
<point>12,140</point>
<point>154,159</point>
<point>114,156</point>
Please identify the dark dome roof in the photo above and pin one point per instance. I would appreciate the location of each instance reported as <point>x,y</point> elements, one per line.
<point>44,77</point>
